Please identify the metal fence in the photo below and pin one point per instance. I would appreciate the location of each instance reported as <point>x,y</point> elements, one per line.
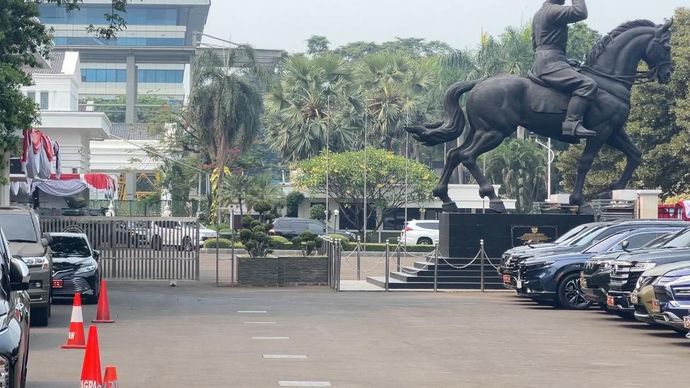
<point>138,248</point>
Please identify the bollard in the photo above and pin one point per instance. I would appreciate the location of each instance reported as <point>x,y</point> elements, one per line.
<point>339,253</point>
<point>481,267</point>
<point>436,268</point>
<point>387,264</point>
<point>398,258</point>
<point>359,259</point>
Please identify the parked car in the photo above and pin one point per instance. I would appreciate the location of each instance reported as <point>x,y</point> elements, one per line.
<point>596,274</point>
<point>205,233</point>
<point>291,227</point>
<point>420,232</point>
<point>173,233</point>
<point>509,267</point>
<point>645,300</point>
<point>671,305</point>
<point>14,326</point>
<point>23,231</point>
<point>75,267</point>
<point>555,279</point>
<point>629,267</point>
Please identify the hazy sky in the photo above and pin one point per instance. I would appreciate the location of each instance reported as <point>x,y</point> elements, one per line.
<point>287,24</point>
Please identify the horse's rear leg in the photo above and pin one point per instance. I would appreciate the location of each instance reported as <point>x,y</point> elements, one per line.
<point>481,143</point>
<point>583,166</point>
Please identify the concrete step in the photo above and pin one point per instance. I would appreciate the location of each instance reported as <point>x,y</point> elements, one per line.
<point>402,285</point>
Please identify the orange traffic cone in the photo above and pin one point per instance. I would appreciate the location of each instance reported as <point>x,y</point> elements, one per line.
<point>91,368</point>
<point>103,312</point>
<point>75,336</point>
<point>110,378</point>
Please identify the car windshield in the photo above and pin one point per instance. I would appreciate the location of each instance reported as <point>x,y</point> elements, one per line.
<point>587,237</point>
<point>571,233</point>
<point>681,240</point>
<point>604,245</point>
<point>660,241</point>
<point>18,228</point>
<point>63,246</point>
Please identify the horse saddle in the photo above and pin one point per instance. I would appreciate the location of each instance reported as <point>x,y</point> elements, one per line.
<point>544,99</point>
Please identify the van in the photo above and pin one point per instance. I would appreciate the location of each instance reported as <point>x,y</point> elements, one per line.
<point>290,227</point>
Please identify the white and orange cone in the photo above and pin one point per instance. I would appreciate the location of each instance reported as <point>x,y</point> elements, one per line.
<point>75,336</point>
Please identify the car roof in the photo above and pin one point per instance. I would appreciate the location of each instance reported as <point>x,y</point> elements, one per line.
<point>652,221</point>
<point>75,235</point>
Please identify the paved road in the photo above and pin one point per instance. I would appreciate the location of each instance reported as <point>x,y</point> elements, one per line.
<point>193,336</point>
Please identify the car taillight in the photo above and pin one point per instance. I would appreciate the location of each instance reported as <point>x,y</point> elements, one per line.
<point>407,229</point>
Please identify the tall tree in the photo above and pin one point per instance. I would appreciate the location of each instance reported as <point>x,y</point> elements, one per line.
<point>225,107</point>
<point>317,45</point>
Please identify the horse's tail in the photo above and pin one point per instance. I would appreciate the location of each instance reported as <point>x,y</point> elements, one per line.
<point>453,123</point>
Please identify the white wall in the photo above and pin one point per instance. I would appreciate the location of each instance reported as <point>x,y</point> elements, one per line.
<point>114,156</point>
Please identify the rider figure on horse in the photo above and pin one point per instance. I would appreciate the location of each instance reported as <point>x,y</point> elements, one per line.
<point>550,39</point>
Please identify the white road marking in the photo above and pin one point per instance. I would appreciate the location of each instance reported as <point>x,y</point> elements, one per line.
<point>259,323</point>
<point>252,312</point>
<point>287,356</point>
<point>270,338</point>
<point>304,383</point>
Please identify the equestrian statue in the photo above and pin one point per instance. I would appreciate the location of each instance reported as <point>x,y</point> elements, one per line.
<point>560,99</point>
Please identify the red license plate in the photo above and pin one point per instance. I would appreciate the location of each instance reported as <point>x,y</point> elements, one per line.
<point>610,301</point>
<point>58,283</point>
<point>506,279</point>
<point>656,308</point>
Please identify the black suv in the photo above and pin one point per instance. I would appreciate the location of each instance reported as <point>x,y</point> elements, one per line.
<point>627,269</point>
<point>14,313</point>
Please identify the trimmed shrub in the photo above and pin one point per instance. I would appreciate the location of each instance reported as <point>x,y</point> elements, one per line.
<point>280,242</point>
<point>222,244</point>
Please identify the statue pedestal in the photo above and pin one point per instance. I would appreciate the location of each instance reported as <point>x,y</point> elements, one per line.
<point>460,234</point>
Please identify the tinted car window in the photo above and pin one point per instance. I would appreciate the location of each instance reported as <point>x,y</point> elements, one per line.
<point>429,225</point>
<point>639,240</point>
<point>316,228</point>
<point>63,246</point>
<point>18,227</point>
<point>571,233</point>
<point>680,241</point>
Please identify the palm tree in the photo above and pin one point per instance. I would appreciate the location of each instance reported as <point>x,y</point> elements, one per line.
<point>304,110</point>
<point>262,189</point>
<point>224,106</point>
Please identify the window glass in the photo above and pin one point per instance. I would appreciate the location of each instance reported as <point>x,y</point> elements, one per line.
<point>63,246</point>
<point>18,228</point>
<point>45,98</point>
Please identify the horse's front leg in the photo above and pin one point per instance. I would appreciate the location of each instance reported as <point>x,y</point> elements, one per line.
<point>583,166</point>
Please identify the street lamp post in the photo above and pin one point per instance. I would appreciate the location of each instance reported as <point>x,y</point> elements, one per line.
<point>550,157</point>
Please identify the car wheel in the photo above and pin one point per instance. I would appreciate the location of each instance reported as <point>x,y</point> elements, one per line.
<point>570,295</point>
<point>424,241</point>
<point>39,317</point>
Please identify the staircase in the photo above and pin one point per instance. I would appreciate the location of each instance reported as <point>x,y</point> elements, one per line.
<point>456,274</point>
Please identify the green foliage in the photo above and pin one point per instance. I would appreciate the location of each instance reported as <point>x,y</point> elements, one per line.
<point>385,173</point>
<point>292,202</point>
<point>308,242</point>
<point>280,242</point>
<point>581,39</point>
<point>520,167</point>
<point>317,212</point>
<point>254,236</point>
<point>317,45</point>
<point>223,243</point>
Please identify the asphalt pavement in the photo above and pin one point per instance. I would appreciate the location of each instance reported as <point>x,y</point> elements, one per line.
<point>196,335</point>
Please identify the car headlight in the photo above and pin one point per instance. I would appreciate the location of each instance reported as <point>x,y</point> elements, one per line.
<point>35,262</point>
<point>541,264</point>
<point>87,268</point>
<point>605,264</point>
<point>644,281</point>
<point>644,266</point>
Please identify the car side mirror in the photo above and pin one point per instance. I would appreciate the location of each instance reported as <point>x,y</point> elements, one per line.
<point>96,255</point>
<point>625,245</point>
<point>48,237</point>
<point>20,277</point>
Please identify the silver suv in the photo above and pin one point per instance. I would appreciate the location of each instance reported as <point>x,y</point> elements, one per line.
<point>23,231</point>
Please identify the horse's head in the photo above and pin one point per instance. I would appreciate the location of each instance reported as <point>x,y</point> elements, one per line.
<point>658,54</point>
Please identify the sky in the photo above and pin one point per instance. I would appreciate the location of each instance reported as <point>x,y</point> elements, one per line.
<point>287,24</point>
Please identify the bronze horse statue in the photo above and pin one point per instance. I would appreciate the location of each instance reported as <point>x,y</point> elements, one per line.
<point>496,106</point>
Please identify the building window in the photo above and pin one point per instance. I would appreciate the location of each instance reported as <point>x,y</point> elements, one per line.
<point>161,76</point>
<point>44,100</point>
<point>103,75</point>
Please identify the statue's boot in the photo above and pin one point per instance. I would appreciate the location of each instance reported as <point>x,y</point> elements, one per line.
<point>572,126</point>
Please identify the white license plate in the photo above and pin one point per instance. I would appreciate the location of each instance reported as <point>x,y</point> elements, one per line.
<point>686,322</point>
<point>583,283</point>
<point>519,283</point>
<point>634,298</point>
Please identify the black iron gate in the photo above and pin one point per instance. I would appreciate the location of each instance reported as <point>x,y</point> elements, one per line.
<point>161,248</point>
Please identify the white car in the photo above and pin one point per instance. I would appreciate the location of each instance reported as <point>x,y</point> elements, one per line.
<point>181,235</point>
<point>420,232</point>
